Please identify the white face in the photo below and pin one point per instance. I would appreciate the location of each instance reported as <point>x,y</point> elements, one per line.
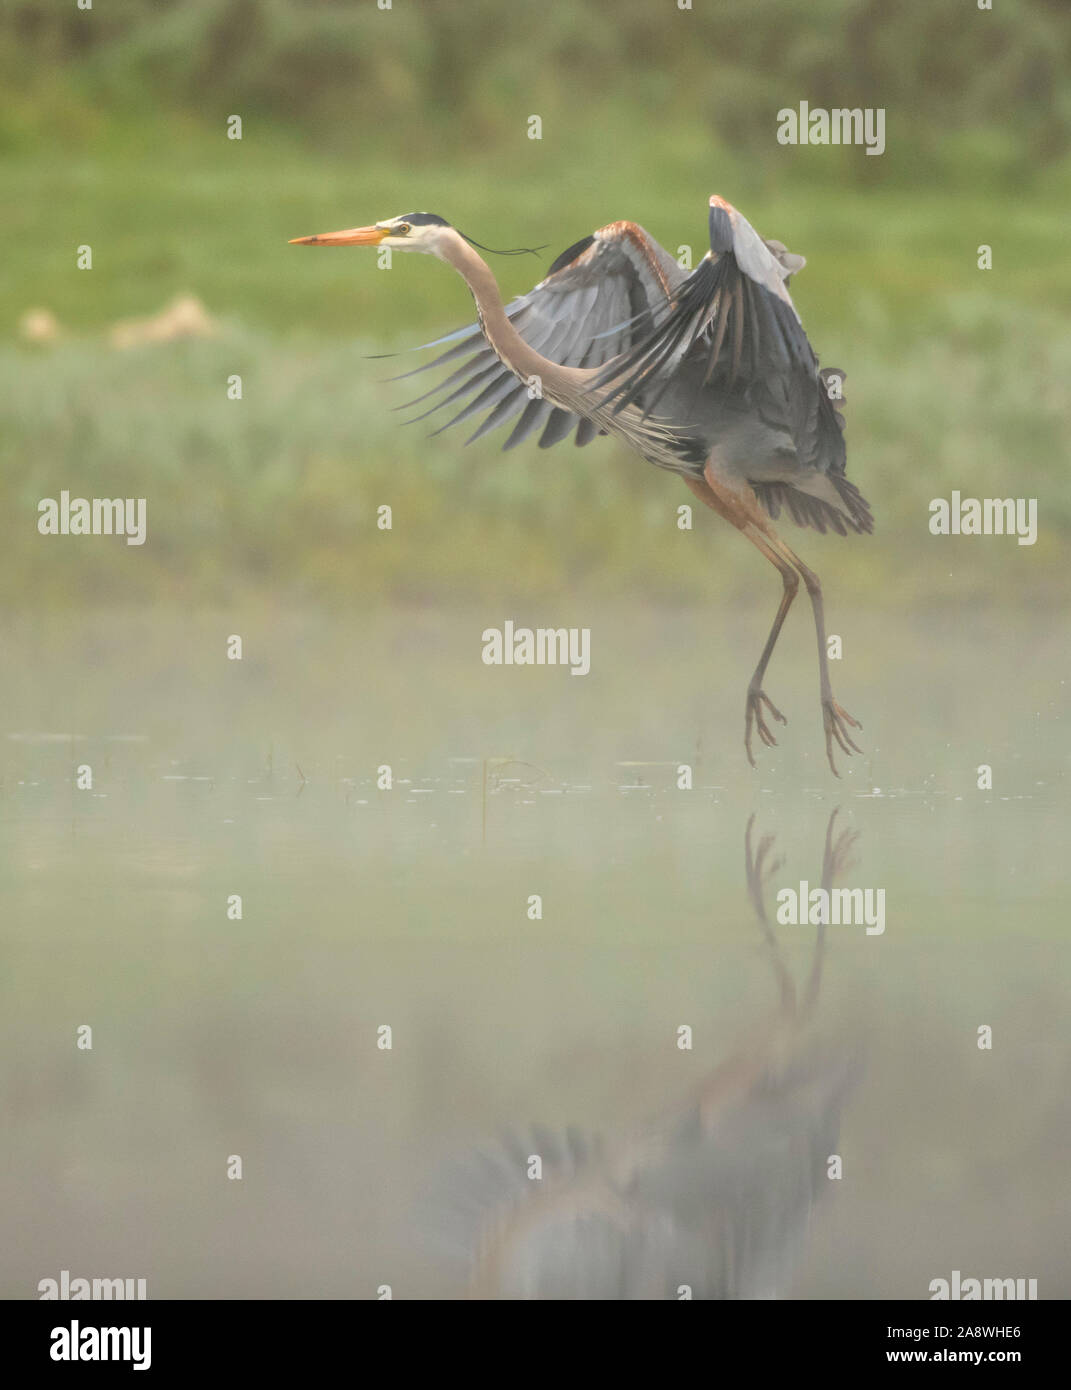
<point>396,232</point>
<point>408,236</point>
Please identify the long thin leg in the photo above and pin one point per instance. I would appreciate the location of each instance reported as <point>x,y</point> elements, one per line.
<point>756,696</point>
<point>742,511</point>
<point>834,717</point>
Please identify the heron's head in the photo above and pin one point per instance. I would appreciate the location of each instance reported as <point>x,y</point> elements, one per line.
<point>416,231</point>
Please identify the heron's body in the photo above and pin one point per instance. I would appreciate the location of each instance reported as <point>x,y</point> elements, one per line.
<point>709,375</point>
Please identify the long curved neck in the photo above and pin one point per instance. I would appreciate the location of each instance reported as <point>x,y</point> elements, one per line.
<point>521,359</point>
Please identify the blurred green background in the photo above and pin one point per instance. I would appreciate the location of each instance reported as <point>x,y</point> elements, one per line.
<point>113,134</point>
<point>362,647</point>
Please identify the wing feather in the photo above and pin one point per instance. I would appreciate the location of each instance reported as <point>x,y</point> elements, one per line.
<point>595,299</point>
<point>734,318</point>
<point>728,335</point>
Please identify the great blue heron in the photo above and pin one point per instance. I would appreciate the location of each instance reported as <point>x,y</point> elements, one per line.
<point>709,375</point>
<point>714,1193</point>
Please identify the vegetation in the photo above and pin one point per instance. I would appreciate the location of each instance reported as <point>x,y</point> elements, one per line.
<point>114,136</point>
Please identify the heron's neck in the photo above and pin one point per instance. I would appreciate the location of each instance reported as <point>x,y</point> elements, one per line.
<point>522,359</point>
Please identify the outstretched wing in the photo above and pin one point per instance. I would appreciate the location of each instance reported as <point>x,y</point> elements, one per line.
<point>734,316</point>
<point>732,331</point>
<point>599,297</point>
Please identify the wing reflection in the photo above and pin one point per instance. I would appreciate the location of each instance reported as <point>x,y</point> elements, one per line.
<point>711,1198</point>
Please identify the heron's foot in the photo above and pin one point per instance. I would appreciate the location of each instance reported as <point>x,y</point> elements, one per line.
<point>755,719</point>
<point>836,721</point>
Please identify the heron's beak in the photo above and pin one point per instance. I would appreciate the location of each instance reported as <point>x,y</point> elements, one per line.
<point>356,236</point>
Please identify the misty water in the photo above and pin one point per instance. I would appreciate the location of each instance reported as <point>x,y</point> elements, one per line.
<point>409,907</point>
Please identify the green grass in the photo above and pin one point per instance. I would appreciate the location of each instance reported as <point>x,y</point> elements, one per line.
<point>957,378</point>
<point>280,490</point>
<point>171,206</point>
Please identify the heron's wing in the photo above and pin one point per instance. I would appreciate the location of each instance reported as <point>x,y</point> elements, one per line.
<point>732,325</point>
<point>745,1179</point>
<point>474,1198</point>
<point>599,297</point>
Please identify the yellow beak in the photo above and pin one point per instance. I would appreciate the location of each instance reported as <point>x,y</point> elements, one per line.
<point>356,236</point>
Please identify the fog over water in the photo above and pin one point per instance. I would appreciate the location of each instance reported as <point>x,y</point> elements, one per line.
<point>515,1036</point>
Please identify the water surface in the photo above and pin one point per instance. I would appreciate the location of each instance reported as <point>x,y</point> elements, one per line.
<point>409,907</point>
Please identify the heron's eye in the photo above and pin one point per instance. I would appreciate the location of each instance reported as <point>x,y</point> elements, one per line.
<point>402,228</point>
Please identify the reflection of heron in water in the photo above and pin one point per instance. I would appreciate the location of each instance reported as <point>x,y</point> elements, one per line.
<point>713,1195</point>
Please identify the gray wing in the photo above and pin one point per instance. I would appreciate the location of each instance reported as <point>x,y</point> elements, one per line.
<point>732,336</point>
<point>734,318</point>
<point>722,1204</point>
<point>599,297</point>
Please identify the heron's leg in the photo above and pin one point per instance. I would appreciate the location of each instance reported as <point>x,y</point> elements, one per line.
<point>756,696</point>
<point>834,717</point>
<point>741,507</point>
<point>743,512</point>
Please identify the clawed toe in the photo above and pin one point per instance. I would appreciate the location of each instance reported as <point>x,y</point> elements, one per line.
<point>836,721</point>
<point>755,718</point>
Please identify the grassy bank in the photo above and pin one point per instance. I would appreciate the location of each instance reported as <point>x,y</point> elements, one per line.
<point>279,491</point>
<point>958,378</point>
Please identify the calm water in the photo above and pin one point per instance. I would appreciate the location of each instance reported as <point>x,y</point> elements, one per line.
<point>364,907</point>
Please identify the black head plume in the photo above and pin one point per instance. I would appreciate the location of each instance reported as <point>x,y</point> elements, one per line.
<point>431,219</point>
<point>516,251</point>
